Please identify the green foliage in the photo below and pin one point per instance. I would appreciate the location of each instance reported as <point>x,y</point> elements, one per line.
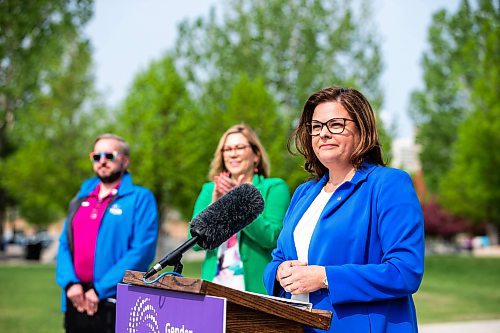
<point>472,186</point>
<point>463,53</point>
<point>251,103</point>
<point>257,64</point>
<point>293,47</point>
<point>34,37</point>
<point>161,123</point>
<point>459,113</point>
<point>53,134</point>
<point>44,121</point>
<point>173,141</point>
<point>297,46</point>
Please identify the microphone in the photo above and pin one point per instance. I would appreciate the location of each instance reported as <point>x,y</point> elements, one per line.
<point>218,222</point>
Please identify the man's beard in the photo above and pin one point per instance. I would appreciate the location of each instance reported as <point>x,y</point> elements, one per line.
<point>111,178</point>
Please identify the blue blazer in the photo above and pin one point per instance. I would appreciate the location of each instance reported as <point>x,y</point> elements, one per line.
<point>370,238</point>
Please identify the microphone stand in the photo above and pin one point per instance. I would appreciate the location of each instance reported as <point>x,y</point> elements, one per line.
<point>176,262</point>
<point>173,258</point>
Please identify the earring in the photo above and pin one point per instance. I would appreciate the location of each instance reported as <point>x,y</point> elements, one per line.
<point>255,169</point>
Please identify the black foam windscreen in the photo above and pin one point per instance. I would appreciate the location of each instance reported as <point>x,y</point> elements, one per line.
<point>227,216</point>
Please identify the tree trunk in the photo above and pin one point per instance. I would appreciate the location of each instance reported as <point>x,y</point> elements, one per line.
<point>2,220</point>
<point>492,233</point>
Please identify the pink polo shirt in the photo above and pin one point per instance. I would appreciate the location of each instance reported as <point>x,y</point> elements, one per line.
<point>85,228</point>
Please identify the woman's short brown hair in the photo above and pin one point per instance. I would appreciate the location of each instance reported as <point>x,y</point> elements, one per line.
<point>361,112</point>
<point>217,165</point>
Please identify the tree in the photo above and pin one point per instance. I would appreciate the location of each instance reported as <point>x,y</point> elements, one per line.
<point>296,47</point>
<point>451,70</point>
<point>52,134</point>
<point>251,103</point>
<point>33,41</point>
<point>162,125</point>
<point>472,186</point>
<point>459,112</point>
<point>175,138</point>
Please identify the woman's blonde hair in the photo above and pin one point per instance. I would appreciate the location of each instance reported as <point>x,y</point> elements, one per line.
<point>217,165</point>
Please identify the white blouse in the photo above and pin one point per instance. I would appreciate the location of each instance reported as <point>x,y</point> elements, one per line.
<point>304,230</point>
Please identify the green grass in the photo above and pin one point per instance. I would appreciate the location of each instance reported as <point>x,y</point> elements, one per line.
<point>30,297</point>
<point>454,288</point>
<point>459,288</point>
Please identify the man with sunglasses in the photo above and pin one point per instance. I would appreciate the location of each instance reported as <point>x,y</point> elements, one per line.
<point>111,226</point>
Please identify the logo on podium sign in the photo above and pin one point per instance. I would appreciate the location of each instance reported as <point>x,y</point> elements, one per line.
<point>143,315</point>
<point>150,310</point>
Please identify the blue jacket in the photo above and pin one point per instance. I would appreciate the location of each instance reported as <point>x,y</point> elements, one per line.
<point>126,239</point>
<point>370,238</point>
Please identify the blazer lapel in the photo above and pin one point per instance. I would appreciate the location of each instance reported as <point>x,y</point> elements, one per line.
<point>302,205</point>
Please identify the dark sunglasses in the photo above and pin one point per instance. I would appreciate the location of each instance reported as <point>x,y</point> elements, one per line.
<point>110,156</point>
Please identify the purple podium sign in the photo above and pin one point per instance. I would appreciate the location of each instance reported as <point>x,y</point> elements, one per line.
<point>150,310</point>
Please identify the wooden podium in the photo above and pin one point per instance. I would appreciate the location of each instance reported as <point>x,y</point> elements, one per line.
<point>245,312</point>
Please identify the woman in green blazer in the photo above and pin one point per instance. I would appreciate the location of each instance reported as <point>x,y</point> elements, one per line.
<point>240,261</point>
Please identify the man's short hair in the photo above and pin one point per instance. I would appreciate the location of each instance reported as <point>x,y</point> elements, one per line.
<point>124,146</point>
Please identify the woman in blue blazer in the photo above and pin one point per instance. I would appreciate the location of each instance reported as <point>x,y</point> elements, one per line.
<point>352,240</point>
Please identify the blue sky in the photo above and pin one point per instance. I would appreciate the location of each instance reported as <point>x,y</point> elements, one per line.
<point>128,34</point>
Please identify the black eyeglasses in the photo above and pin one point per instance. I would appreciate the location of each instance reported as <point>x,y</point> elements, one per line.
<point>110,156</point>
<point>238,148</point>
<point>334,126</point>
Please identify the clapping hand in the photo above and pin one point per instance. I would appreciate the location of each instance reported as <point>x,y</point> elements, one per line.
<point>224,183</point>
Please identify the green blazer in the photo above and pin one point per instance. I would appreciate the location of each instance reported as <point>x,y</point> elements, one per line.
<point>258,239</point>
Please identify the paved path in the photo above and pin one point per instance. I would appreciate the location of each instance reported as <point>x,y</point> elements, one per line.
<point>485,326</point>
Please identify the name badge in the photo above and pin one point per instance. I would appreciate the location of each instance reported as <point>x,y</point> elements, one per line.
<point>115,210</point>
